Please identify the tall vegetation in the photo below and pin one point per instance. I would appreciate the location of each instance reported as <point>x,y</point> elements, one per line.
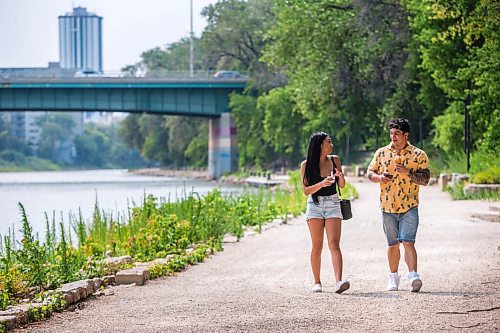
<point>153,229</point>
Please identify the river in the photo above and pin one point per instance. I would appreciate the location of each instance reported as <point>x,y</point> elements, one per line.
<point>69,191</point>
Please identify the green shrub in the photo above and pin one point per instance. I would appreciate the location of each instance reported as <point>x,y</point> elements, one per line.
<point>480,160</point>
<point>488,176</point>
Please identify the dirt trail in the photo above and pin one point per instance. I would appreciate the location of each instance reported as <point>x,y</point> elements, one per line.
<point>262,284</point>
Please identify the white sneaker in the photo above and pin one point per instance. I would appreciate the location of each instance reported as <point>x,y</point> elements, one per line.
<point>317,288</point>
<point>393,284</point>
<point>342,286</point>
<point>415,281</point>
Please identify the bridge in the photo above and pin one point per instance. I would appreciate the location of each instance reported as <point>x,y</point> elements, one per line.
<point>207,97</point>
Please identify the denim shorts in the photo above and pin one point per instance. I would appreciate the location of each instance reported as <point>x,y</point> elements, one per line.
<point>328,207</point>
<point>400,227</point>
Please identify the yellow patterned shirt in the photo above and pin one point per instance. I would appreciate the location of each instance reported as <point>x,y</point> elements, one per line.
<point>400,194</point>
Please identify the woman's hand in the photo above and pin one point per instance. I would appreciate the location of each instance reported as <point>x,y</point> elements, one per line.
<point>338,173</point>
<point>327,181</point>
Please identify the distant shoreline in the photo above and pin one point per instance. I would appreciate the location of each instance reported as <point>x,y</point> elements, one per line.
<point>197,174</point>
<point>159,172</point>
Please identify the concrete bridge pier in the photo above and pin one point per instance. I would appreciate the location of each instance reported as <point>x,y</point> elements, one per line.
<point>222,146</point>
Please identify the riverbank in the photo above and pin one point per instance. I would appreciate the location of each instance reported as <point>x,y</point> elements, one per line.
<point>195,174</point>
<point>172,173</point>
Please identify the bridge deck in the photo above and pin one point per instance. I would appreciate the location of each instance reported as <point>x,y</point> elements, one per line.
<point>195,97</point>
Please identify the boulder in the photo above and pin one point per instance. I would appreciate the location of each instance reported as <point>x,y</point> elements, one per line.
<point>444,179</point>
<point>137,275</point>
<point>78,290</point>
<point>113,261</point>
<point>9,322</point>
<point>15,316</point>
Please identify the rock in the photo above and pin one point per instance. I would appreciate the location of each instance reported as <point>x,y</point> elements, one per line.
<point>78,290</point>
<point>346,170</point>
<point>141,264</point>
<point>229,239</point>
<point>359,171</point>
<point>118,260</point>
<point>458,178</point>
<point>9,322</point>
<point>489,216</point>
<point>189,251</point>
<point>97,283</point>
<point>481,188</point>
<point>109,293</point>
<point>249,233</point>
<point>444,179</point>
<point>108,280</point>
<point>137,275</point>
<point>20,314</point>
<point>161,261</point>
<point>495,208</point>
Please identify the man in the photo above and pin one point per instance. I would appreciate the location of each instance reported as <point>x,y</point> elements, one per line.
<point>400,168</point>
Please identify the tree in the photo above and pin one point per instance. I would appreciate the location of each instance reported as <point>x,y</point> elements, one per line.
<point>197,150</point>
<point>252,148</point>
<point>459,46</point>
<point>343,60</point>
<point>56,133</point>
<point>235,37</point>
<point>93,148</point>
<point>282,124</point>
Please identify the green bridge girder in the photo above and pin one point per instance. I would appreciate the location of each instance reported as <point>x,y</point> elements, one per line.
<point>190,97</point>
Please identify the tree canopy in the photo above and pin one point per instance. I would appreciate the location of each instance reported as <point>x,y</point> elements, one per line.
<point>340,66</point>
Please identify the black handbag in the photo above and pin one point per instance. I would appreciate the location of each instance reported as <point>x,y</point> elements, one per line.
<point>345,205</point>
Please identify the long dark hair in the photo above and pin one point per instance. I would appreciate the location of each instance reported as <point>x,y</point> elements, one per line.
<point>312,173</point>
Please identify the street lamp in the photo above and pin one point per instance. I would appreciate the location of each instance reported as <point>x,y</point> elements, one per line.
<point>467,102</point>
<point>191,74</point>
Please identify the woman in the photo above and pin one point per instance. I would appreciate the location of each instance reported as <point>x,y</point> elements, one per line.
<point>319,173</point>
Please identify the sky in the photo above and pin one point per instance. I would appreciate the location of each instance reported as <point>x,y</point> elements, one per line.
<point>29,31</point>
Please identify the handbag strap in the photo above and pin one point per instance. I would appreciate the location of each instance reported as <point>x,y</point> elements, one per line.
<point>338,187</point>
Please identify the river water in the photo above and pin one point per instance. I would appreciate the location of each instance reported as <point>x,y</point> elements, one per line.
<point>69,191</point>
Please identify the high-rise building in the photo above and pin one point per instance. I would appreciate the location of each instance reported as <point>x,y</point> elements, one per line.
<point>80,40</point>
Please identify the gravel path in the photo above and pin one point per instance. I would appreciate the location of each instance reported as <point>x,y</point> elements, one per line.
<point>262,284</point>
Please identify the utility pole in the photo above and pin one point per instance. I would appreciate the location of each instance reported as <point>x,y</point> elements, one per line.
<point>191,73</point>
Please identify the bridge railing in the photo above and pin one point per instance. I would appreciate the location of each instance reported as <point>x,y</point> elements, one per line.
<point>155,74</point>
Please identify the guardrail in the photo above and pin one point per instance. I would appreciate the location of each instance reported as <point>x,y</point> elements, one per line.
<point>69,73</point>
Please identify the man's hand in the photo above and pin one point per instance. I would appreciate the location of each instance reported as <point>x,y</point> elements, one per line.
<point>384,179</point>
<point>400,168</point>
<point>372,176</point>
